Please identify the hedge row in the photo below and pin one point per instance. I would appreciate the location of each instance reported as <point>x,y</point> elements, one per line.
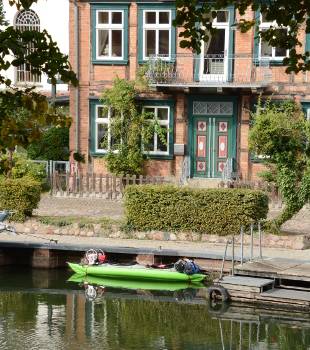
<point>210,211</point>
<point>20,195</point>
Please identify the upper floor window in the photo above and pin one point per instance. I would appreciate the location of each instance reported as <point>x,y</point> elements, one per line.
<point>157,33</point>
<point>265,50</point>
<point>110,35</point>
<point>156,145</point>
<point>27,20</point>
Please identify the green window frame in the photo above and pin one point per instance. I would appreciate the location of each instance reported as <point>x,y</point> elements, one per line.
<point>306,109</point>
<point>156,27</point>
<point>109,27</point>
<point>95,121</point>
<point>169,104</point>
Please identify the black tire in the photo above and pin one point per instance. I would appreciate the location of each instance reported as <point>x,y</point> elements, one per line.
<point>218,293</point>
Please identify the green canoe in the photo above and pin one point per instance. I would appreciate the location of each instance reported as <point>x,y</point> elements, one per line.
<point>132,284</point>
<point>135,272</point>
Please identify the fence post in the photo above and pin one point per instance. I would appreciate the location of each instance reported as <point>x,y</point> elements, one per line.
<point>113,186</point>
<point>81,185</point>
<point>94,184</point>
<point>100,185</point>
<point>233,255</point>
<point>141,179</point>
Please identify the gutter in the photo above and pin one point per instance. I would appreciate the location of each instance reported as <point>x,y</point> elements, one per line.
<point>77,65</point>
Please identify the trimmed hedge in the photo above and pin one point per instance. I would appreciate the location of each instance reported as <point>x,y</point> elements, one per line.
<point>21,195</point>
<point>210,211</point>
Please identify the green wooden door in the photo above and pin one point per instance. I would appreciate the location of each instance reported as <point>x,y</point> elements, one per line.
<point>213,140</point>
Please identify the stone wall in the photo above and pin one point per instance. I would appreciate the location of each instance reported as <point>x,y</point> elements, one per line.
<point>32,226</point>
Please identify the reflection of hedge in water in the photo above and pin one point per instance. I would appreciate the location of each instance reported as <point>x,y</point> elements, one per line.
<point>138,324</point>
<point>19,309</point>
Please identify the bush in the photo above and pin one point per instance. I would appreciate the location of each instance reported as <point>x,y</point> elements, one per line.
<point>54,145</point>
<point>210,211</point>
<point>20,195</point>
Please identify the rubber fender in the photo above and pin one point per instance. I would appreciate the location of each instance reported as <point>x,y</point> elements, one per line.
<point>218,293</point>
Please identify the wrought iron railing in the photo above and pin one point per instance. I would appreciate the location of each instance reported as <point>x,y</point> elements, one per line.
<point>216,70</point>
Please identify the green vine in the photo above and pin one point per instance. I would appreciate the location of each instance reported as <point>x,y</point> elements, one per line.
<point>131,129</point>
<point>281,134</point>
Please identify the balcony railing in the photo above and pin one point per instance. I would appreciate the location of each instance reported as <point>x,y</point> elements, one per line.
<point>210,70</point>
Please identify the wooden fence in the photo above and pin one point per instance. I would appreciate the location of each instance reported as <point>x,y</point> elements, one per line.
<point>96,185</point>
<point>275,198</point>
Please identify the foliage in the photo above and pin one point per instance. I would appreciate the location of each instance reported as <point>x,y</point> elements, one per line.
<point>24,114</point>
<point>293,14</point>
<point>20,195</point>
<point>54,145</point>
<point>209,211</point>
<point>281,134</point>
<point>23,167</point>
<point>78,157</point>
<point>130,128</point>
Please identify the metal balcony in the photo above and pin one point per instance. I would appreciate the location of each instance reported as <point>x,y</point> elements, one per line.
<point>187,70</point>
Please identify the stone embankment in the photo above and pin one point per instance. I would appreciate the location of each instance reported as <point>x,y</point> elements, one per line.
<point>35,227</point>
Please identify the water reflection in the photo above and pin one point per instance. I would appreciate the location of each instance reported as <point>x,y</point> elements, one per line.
<point>40,310</point>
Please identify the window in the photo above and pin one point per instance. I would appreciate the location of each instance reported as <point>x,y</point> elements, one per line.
<point>110,33</point>
<point>157,34</point>
<point>103,138</point>
<point>265,50</point>
<point>156,145</point>
<point>27,20</point>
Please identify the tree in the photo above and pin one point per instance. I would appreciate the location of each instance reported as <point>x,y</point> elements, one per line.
<point>281,134</point>
<point>25,114</point>
<point>130,129</point>
<point>293,14</point>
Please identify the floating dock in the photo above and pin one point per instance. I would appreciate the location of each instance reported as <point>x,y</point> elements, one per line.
<point>277,281</point>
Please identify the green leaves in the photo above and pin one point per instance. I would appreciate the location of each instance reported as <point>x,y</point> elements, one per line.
<point>209,211</point>
<point>281,133</point>
<point>196,20</point>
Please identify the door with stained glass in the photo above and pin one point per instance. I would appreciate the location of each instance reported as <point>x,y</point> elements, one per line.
<point>211,146</point>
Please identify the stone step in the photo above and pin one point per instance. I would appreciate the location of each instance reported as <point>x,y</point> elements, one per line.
<point>203,183</point>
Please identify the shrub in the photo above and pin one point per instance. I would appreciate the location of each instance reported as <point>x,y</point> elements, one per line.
<point>20,195</point>
<point>210,211</point>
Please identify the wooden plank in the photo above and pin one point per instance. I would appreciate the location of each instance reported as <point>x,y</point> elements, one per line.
<point>291,295</point>
<point>246,281</point>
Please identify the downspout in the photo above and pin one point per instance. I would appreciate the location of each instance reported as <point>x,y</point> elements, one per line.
<point>77,68</point>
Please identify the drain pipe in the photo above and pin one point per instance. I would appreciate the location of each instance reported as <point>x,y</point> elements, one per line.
<point>77,69</point>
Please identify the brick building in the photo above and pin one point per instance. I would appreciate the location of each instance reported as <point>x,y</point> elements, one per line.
<point>204,100</point>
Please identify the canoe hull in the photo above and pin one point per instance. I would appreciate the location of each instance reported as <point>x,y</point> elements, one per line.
<point>134,284</point>
<point>132,273</point>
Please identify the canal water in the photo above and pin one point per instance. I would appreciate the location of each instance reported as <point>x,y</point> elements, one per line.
<point>41,309</point>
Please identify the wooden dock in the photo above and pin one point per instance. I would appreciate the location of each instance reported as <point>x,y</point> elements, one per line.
<point>276,281</point>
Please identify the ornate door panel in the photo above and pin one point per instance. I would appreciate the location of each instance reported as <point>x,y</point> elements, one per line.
<point>212,139</point>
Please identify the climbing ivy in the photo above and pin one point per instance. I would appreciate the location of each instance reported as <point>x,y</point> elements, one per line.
<point>281,134</point>
<point>131,129</point>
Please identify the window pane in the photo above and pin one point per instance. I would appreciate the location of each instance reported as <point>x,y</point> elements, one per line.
<point>149,110</point>
<point>162,146</point>
<point>266,49</point>
<point>163,42</point>
<point>150,145</point>
<point>103,17</point>
<point>117,43</point>
<point>102,112</point>
<point>150,17</point>
<point>103,42</point>
<point>150,38</point>
<point>162,114</point>
<point>222,16</point>
<point>280,52</point>
<point>164,17</point>
<point>102,132</point>
<point>116,17</point>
